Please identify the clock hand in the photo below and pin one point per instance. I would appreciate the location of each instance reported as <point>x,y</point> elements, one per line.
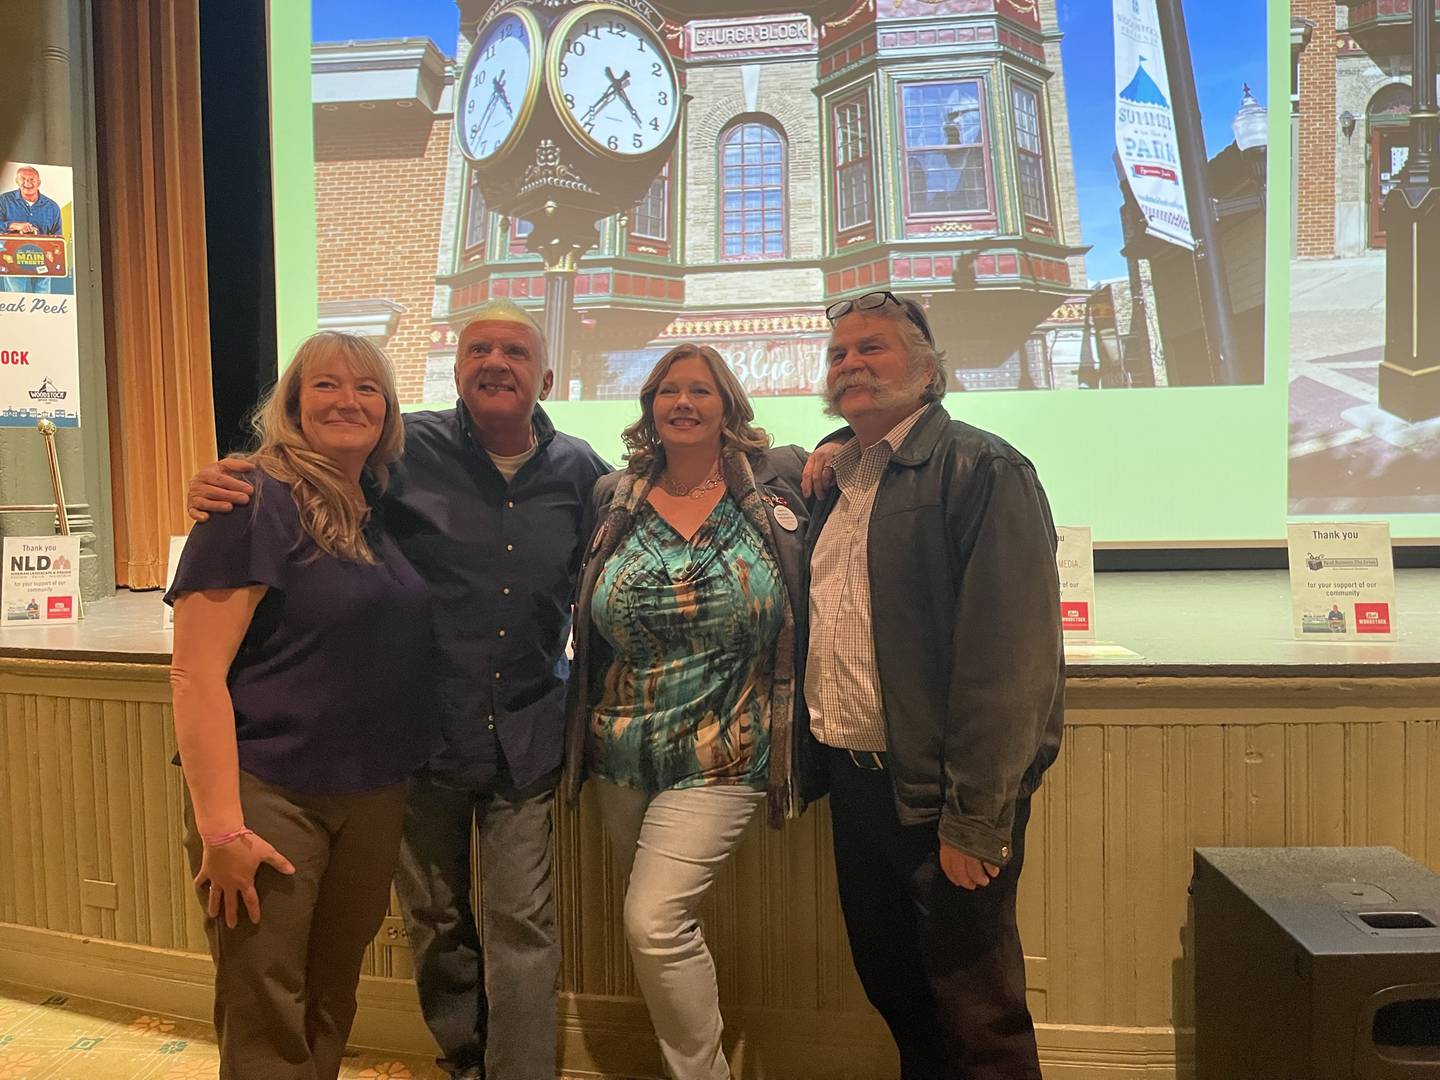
<point>479,127</point>
<point>588,120</point>
<point>499,85</point>
<point>619,87</point>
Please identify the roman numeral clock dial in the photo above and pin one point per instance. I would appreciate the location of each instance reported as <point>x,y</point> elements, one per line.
<point>498,89</point>
<point>612,81</point>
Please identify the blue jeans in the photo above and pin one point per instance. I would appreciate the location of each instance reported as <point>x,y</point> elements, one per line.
<point>488,998</point>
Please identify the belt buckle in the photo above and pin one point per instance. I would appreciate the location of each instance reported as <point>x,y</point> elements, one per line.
<point>868,760</point>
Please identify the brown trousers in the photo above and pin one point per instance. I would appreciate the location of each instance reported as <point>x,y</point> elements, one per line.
<point>285,987</point>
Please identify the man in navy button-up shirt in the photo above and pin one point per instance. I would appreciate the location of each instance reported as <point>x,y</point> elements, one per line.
<point>487,505</point>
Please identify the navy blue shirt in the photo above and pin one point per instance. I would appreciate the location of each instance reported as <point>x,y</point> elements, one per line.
<point>331,685</point>
<point>43,213</point>
<point>501,561</point>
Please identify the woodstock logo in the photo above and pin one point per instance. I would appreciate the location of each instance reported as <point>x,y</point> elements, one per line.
<point>47,392</point>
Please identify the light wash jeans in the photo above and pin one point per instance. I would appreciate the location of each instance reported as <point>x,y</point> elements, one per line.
<point>670,847</point>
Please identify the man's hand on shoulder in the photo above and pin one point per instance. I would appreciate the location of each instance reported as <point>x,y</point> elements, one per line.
<point>965,870</point>
<point>215,490</point>
<point>818,476</point>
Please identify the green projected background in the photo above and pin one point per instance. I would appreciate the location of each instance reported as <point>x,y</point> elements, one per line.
<point>1168,465</point>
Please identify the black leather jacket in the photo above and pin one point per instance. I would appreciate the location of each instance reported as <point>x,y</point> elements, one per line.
<point>965,608</point>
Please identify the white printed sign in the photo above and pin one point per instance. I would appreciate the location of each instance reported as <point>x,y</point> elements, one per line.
<point>1342,581</point>
<point>177,545</point>
<point>42,580</point>
<point>1145,123</point>
<point>1075,559</point>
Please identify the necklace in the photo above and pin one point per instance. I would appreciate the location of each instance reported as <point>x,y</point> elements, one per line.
<point>710,483</point>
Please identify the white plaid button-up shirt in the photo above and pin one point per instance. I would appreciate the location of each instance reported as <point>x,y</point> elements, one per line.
<point>842,682</point>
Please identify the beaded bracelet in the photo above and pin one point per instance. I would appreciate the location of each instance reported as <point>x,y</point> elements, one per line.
<point>221,839</point>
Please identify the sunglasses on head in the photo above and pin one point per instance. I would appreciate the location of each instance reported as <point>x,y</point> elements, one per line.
<point>872,300</point>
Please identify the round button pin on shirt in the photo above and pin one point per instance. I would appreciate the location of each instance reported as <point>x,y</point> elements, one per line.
<point>786,519</point>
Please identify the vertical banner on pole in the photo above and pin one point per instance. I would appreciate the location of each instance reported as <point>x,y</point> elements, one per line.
<point>39,355</point>
<point>1145,123</point>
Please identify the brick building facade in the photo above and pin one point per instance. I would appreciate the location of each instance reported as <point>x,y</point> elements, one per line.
<point>381,149</point>
<point>1351,104</point>
<point>843,103</point>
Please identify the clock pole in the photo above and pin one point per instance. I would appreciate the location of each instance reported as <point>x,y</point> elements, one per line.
<point>559,303</point>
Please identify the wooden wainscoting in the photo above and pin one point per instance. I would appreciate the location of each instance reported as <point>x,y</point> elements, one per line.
<point>94,894</point>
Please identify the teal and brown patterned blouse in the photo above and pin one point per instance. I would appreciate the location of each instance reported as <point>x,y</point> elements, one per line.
<point>692,624</point>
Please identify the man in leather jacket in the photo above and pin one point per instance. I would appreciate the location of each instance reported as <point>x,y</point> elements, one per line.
<point>934,689</point>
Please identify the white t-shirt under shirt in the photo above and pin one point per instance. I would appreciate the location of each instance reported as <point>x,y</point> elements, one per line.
<point>509,466</point>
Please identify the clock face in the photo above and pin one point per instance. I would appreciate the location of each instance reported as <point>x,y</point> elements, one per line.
<point>612,81</point>
<point>497,91</point>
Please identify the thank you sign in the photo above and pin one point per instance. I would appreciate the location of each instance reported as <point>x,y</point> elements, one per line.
<point>1342,580</point>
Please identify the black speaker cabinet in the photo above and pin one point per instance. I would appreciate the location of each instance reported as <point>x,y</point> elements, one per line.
<point>1315,964</point>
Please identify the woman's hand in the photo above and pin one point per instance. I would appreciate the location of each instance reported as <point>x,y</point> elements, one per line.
<point>214,489</point>
<point>817,476</point>
<point>229,869</point>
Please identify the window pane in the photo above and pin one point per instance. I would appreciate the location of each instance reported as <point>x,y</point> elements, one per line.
<point>650,217</point>
<point>1027,119</point>
<point>949,181</point>
<point>475,216</point>
<point>944,130</point>
<point>1032,187</point>
<point>753,192</point>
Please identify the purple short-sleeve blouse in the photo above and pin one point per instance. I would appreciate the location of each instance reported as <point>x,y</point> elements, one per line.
<point>332,683</point>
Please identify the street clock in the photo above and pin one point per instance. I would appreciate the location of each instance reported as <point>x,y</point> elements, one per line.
<point>499,87</point>
<point>612,83</point>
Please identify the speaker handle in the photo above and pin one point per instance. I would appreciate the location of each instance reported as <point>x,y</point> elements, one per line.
<point>1400,1061</point>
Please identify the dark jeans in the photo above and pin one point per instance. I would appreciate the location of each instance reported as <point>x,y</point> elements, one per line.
<point>487,990</point>
<point>941,964</point>
<point>285,987</point>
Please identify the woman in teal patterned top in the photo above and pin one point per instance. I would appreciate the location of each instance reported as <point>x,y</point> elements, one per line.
<point>692,624</point>
<point>683,686</point>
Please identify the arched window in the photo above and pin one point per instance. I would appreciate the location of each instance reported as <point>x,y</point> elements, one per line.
<point>752,180</point>
<point>1390,100</point>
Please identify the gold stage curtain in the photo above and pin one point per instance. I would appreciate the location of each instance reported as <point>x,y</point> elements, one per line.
<point>157,325</point>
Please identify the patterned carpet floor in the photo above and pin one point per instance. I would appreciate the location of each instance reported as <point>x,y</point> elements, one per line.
<point>53,1037</point>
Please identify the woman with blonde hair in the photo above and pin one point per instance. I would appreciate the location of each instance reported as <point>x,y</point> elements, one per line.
<point>683,686</point>
<point>300,672</point>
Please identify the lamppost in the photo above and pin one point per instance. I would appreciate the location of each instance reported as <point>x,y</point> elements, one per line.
<point>1194,163</point>
<point>1251,126</point>
<point>1410,373</point>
